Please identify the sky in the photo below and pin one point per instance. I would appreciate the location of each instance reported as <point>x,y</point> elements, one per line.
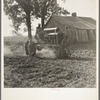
<point>83,8</point>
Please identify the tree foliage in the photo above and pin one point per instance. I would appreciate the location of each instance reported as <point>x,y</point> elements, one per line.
<point>22,11</point>
<point>45,8</point>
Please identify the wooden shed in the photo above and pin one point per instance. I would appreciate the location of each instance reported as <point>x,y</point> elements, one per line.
<point>78,29</point>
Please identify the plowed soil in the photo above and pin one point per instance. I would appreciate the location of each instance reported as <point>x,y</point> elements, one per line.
<point>79,71</point>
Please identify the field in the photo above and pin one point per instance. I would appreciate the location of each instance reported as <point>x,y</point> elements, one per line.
<point>41,71</point>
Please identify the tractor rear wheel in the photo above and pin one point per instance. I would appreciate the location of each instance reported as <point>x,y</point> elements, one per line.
<point>30,49</point>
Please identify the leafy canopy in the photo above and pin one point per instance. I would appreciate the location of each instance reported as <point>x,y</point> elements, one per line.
<point>18,10</point>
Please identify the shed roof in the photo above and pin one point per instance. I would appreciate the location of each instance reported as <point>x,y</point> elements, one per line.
<point>76,22</point>
<point>90,20</point>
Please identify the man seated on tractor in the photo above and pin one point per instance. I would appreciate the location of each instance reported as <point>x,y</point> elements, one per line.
<point>64,49</point>
<point>31,46</point>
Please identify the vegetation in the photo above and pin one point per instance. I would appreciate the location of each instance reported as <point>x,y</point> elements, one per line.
<point>24,11</point>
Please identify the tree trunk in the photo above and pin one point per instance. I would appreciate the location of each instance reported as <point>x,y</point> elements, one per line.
<point>28,20</point>
<point>42,21</point>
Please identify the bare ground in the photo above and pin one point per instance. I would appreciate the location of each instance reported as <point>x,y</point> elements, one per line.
<point>77,72</point>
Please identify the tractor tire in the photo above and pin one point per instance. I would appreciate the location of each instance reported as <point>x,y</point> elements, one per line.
<point>30,49</point>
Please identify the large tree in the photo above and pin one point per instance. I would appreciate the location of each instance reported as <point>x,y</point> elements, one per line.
<point>23,11</point>
<point>45,8</point>
<point>20,11</point>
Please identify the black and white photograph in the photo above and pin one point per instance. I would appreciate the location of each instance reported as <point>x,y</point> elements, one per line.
<point>49,43</point>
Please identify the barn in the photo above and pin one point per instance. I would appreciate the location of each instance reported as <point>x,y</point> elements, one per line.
<point>78,29</point>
